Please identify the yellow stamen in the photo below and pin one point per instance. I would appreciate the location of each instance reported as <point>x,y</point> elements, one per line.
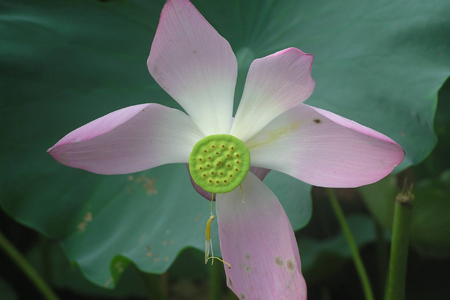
<point>208,242</point>
<point>208,227</point>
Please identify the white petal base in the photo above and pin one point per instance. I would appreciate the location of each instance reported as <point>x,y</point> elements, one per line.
<point>194,65</point>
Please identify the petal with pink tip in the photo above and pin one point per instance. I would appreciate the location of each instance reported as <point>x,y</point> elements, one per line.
<point>274,84</point>
<point>129,140</point>
<point>195,65</point>
<point>257,240</point>
<point>324,149</point>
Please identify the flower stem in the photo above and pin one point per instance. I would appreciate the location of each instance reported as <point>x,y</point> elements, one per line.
<point>29,271</point>
<point>152,284</point>
<point>165,284</point>
<point>400,245</point>
<point>382,249</point>
<point>216,282</point>
<point>326,293</point>
<point>353,248</point>
<point>46,261</point>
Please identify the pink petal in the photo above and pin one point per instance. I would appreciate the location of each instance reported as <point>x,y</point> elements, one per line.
<point>257,240</point>
<point>275,84</point>
<point>324,149</point>
<point>195,65</point>
<point>129,140</point>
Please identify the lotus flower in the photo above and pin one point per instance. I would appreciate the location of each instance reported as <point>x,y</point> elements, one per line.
<point>272,129</point>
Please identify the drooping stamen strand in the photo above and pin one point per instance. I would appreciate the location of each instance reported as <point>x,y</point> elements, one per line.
<point>219,259</point>
<point>242,190</point>
<point>208,242</point>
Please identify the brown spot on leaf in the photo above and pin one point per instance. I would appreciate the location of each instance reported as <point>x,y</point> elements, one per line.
<point>119,267</point>
<point>142,238</point>
<point>82,226</point>
<point>148,184</point>
<point>317,121</point>
<point>108,282</point>
<point>87,219</point>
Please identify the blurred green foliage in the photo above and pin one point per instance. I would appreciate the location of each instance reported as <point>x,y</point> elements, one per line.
<point>430,227</point>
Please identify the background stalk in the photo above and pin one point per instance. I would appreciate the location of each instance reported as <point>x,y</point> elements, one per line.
<point>46,258</point>
<point>400,245</point>
<point>152,285</point>
<point>29,271</point>
<point>351,243</point>
<point>216,282</point>
<point>382,248</point>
